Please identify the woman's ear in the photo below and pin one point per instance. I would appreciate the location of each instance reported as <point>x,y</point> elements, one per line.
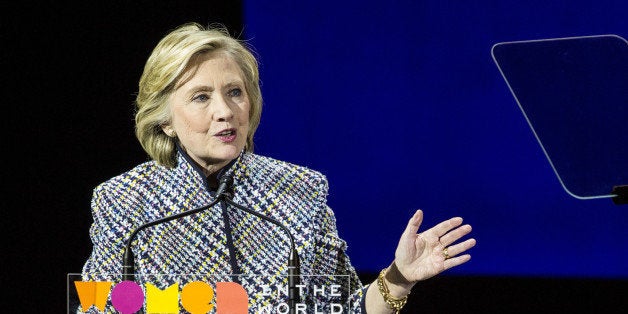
<point>168,129</point>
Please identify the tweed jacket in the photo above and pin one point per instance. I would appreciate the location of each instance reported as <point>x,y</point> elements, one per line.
<point>220,242</point>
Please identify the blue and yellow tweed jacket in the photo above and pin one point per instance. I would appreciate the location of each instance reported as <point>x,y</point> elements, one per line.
<point>214,244</point>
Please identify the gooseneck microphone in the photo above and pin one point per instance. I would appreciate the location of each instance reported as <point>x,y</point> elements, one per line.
<point>223,193</point>
<point>128,266</point>
<point>293,259</point>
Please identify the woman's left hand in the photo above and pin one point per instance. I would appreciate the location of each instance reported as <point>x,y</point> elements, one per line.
<point>426,254</point>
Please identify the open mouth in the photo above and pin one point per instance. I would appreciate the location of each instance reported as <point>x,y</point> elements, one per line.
<point>227,135</point>
<point>229,132</point>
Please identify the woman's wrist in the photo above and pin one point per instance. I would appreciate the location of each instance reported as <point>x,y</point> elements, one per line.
<point>398,285</point>
<point>393,288</point>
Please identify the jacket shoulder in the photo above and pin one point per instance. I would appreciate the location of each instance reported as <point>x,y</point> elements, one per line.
<point>258,162</point>
<point>263,168</point>
<point>134,182</point>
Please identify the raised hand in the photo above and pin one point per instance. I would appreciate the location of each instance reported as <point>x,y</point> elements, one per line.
<point>420,256</point>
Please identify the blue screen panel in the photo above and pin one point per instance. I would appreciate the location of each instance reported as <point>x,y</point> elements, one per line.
<point>402,107</point>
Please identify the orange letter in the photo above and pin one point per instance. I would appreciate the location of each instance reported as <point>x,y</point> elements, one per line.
<point>196,297</point>
<point>93,293</point>
<point>231,298</point>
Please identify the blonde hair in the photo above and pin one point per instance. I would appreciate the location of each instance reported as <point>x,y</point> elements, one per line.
<point>163,69</point>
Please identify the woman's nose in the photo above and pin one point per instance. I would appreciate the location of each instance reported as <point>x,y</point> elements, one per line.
<point>221,109</point>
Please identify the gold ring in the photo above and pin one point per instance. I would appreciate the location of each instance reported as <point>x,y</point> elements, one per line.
<point>445,253</point>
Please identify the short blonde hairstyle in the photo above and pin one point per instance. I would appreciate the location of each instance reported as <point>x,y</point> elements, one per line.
<point>165,66</point>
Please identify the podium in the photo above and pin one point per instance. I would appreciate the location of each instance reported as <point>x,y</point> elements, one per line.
<point>573,92</point>
<point>203,293</point>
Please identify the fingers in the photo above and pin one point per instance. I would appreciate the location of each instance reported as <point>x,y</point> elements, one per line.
<point>444,227</point>
<point>455,234</point>
<point>441,229</point>
<point>455,261</point>
<point>445,233</point>
<point>460,248</point>
<point>414,223</point>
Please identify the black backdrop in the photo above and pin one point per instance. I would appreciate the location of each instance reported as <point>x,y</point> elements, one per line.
<point>69,81</point>
<point>71,71</point>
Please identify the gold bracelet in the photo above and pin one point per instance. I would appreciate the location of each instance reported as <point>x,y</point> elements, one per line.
<point>393,303</point>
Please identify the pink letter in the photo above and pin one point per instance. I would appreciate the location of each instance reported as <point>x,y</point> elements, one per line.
<point>127,297</point>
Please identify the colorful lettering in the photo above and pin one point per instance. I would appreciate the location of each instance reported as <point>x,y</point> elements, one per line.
<point>196,297</point>
<point>162,301</point>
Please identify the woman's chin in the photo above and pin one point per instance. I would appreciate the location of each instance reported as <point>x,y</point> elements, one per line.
<point>227,153</point>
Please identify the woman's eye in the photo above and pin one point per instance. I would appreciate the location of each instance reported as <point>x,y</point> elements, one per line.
<point>201,98</point>
<point>236,92</point>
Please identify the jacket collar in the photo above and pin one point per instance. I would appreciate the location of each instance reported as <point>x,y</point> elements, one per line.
<point>185,161</point>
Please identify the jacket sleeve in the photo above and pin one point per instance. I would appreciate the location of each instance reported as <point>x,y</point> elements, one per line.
<point>331,258</point>
<point>112,223</point>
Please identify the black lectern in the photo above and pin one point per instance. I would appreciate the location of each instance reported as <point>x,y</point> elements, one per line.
<point>573,92</point>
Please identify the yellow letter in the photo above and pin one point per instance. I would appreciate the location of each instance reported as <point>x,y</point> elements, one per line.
<point>166,301</point>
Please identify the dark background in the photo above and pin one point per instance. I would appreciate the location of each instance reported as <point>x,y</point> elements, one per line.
<point>71,71</point>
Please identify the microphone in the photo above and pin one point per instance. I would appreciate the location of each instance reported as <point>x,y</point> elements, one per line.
<point>128,266</point>
<point>224,193</point>
<point>293,259</point>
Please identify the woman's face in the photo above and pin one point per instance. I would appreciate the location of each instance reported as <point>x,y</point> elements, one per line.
<point>210,111</point>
